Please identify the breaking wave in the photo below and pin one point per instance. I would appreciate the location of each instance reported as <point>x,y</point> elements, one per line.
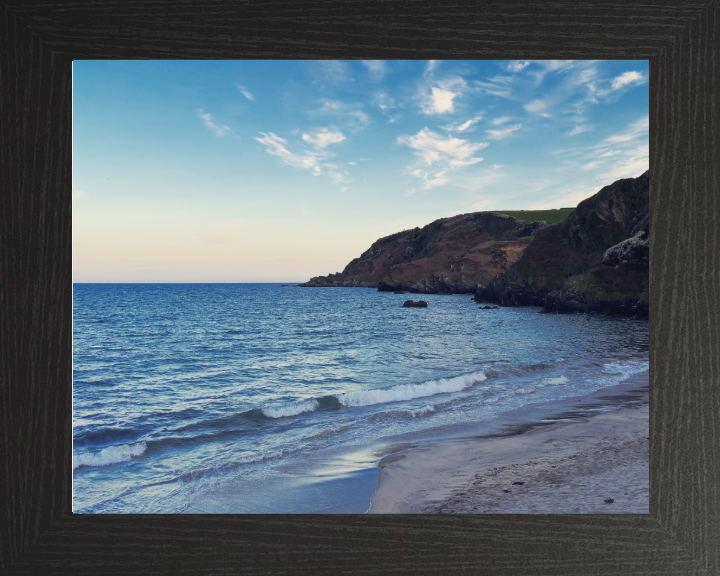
<point>291,409</point>
<point>109,455</point>
<point>554,381</point>
<point>410,391</point>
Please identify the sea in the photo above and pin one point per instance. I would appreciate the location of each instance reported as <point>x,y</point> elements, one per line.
<point>271,398</point>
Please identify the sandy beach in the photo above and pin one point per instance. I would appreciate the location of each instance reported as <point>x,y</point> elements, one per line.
<point>586,465</point>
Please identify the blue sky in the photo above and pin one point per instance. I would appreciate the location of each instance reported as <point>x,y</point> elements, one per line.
<point>276,171</point>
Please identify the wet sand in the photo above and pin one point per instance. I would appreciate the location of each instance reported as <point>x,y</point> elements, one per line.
<point>586,465</point>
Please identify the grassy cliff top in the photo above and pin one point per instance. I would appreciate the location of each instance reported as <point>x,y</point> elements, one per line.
<point>550,216</point>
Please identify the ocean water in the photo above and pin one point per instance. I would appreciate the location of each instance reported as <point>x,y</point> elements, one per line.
<point>263,398</point>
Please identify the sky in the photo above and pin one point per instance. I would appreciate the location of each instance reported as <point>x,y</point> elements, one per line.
<point>278,171</point>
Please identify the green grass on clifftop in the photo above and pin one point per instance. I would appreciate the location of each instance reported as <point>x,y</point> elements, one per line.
<point>551,216</point>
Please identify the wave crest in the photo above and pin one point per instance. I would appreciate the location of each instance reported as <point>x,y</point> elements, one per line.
<point>291,410</point>
<point>109,455</point>
<point>410,391</point>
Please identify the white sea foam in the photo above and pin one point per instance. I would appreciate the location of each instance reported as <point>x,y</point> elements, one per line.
<point>422,411</point>
<point>291,409</point>
<point>522,391</point>
<point>410,391</point>
<point>624,370</point>
<point>554,381</point>
<point>109,455</point>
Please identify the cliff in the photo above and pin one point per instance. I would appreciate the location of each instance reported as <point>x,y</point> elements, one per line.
<point>451,255</point>
<point>597,260</point>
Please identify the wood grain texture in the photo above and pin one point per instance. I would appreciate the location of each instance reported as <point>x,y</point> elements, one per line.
<point>39,535</point>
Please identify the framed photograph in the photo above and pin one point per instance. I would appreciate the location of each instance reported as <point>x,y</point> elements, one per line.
<point>272,310</point>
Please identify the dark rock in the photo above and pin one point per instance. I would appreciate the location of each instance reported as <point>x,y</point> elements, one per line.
<point>506,491</point>
<point>412,304</point>
<point>609,500</point>
<point>518,483</point>
<point>398,292</point>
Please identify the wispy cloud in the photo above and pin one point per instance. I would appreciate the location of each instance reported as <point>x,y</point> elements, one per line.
<point>496,86</point>
<point>76,194</point>
<point>516,65</point>
<point>438,155</point>
<point>349,113</point>
<point>430,67</point>
<point>503,133</point>
<point>309,159</point>
<point>246,93</point>
<point>323,137</point>
<point>377,69</point>
<point>578,130</point>
<point>536,106</point>
<point>217,129</point>
<point>624,154</point>
<point>464,127</point>
<point>501,120</point>
<point>475,184</point>
<point>631,77</point>
<point>276,146</point>
<point>329,71</point>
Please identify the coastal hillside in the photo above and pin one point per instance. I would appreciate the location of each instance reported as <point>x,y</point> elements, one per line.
<point>597,260</point>
<point>451,255</point>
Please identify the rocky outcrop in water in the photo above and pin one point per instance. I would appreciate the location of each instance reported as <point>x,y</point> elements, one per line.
<point>413,304</point>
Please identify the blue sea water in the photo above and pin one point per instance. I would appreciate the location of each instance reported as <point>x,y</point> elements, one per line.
<point>252,398</point>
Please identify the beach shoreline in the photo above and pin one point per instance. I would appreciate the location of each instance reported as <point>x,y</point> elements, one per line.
<point>582,463</point>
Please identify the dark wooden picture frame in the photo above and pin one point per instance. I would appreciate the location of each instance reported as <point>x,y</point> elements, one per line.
<point>38,532</point>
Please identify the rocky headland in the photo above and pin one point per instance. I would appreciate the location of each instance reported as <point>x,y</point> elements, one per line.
<point>596,260</point>
<point>455,255</point>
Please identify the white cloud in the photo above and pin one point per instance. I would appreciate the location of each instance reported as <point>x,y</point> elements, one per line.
<point>376,68</point>
<point>439,102</point>
<point>497,134</point>
<point>77,194</point>
<point>246,93</point>
<point>501,120</point>
<point>217,129</point>
<point>440,98</point>
<point>578,130</point>
<point>535,106</point>
<point>323,138</point>
<point>631,77</point>
<point>312,159</point>
<point>455,127</point>
<point>445,154</point>
<point>352,163</point>
<point>276,146</point>
<point>516,65</point>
